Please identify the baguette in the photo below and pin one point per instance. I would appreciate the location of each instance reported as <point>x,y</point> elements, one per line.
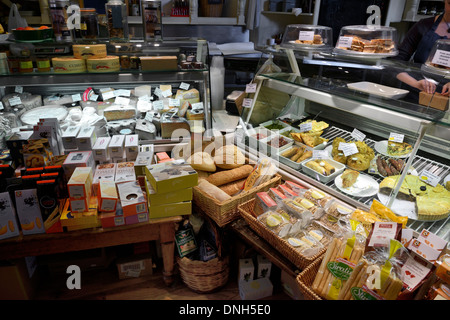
<point>213,191</point>
<point>233,187</point>
<point>223,177</point>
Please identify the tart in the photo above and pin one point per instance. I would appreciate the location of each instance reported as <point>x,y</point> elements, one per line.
<point>398,148</point>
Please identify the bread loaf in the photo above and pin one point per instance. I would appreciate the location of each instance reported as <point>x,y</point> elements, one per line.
<point>229,157</point>
<point>223,177</point>
<point>213,191</point>
<point>202,161</point>
<point>233,187</point>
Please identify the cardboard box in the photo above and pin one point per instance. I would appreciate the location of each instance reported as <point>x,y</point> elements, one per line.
<point>255,289</point>
<point>132,199</point>
<point>15,142</point>
<point>80,183</point>
<point>170,176</point>
<point>69,137</point>
<point>85,219</point>
<point>29,212</point>
<point>78,159</point>
<point>103,172</point>
<point>19,279</point>
<point>125,172</point>
<point>86,138</point>
<point>137,218</point>
<point>436,100</point>
<point>159,63</point>
<point>8,219</point>
<point>131,146</point>
<point>143,159</point>
<point>263,267</point>
<point>290,286</point>
<point>170,210</point>
<point>246,270</point>
<point>134,266</point>
<point>116,145</point>
<point>112,219</point>
<point>157,199</point>
<point>107,196</point>
<point>100,149</point>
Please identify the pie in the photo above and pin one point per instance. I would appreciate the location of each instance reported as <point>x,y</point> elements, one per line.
<point>398,148</point>
<point>349,177</point>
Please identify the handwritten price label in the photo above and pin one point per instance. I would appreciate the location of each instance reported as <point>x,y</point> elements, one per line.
<point>396,137</point>
<point>250,88</point>
<point>348,148</point>
<point>305,127</point>
<point>358,135</point>
<point>430,178</point>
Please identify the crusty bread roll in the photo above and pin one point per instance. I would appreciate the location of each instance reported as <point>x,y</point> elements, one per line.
<point>202,161</point>
<point>202,174</point>
<point>223,177</point>
<point>233,187</point>
<point>213,191</point>
<point>229,157</point>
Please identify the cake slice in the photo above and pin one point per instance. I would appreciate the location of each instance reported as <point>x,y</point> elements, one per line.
<point>349,177</point>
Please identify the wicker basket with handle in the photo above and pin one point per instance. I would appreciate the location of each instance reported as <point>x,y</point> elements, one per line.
<point>301,261</point>
<point>225,212</point>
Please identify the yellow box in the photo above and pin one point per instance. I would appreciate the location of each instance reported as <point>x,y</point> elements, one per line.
<point>157,199</point>
<point>171,176</point>
<point>90,217</point>
<point>107,196</point>
<point>80,183</point>
<point>170,210</point>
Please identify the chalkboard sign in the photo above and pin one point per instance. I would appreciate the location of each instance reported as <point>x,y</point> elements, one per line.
<point>337,13</point>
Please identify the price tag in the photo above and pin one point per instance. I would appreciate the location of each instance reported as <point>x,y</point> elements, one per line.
<point>14,101</point>
<point>122,101</point>
<point>122,93</point>
<point>144,98</point>
<point>306,126</point>
<point>197,105</point>
<point>144,106</point>
<point>158,105</point>
<point>18,89</point>
<point>247,103</point>
<point>76,97</point>
<point>358,135</point>
<point>167,93</point>
<point>320,154</point>
<point>93,97</point>
<point>396,137</point>
<point>430,178</point>
<point>53,98</point>
<point>442,58</point>
<point>345,42</point>
<point>250,88</point>
<point>1,106</point>
<point>158,92</point>
<point>108,95</point>
<point>149,116</point>
<point>348,148</point>
<point>306,35</point>
<point>184,86</point>
<point>174,102</point>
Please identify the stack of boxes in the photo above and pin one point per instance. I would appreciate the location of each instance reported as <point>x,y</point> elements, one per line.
<point>254,283</point>
<point>169,188</point>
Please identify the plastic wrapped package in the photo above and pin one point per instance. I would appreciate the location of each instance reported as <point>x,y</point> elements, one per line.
<point>305,243</point>
<point>318,197</point>
<point>279,222</point>
<point>306,203</point>
<point>336,215</point>
<point>294,208</point>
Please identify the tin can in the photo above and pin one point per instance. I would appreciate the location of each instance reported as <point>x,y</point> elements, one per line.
<point>125,62</point>
<point>135,62</point>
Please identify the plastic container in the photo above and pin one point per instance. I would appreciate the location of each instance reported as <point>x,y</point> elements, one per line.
<point>116,19</point>
<point>89,24</point>
<point>322,178</point>
<point>58,13</point>
<point>367,41</point>
<point>151,20</point>
<point>307,37</point>
<point>438,62</point>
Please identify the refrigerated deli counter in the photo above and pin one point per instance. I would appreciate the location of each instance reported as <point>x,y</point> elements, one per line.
<point>381,138</point>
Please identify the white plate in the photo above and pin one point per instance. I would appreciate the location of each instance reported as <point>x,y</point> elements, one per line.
<point>381,147</point>
<point>363,55</point>
<point>400,207</point>
<point>364,186</point>
<point>378,90</point>
<point>32,116</point>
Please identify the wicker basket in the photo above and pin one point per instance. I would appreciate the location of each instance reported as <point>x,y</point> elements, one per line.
<point>306,278</point>
<point>299,260</point>
<point>208,9</point>
<point>227,211</point>
<point>204,276</point>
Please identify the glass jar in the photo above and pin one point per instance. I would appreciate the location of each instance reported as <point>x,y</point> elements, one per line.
<point>151,20</point>
<point>116,15</point>
<point>4,69</point>
<point>125,62</point>
<point>26,65</point>
<point>43,64</point>
<point>89,24</point>
<point>58,14</point>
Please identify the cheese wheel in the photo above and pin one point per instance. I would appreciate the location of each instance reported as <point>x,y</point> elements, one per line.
<point>83,51</point>
<point>68,65</point>
<point>100,65</point>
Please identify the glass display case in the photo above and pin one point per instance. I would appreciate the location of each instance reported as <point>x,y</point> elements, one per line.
<point>371,137</point>
<point>139,88</point>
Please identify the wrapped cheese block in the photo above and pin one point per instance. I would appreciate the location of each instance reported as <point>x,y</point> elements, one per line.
<point>105,64</point>
<point>191,96</point>
<point>167,63</point>
<point>196,114</point>
<point>82,51</point>
<point>68,65</point>
<point>119,112</point>
<point>169,125</point>
<point>24,101</point>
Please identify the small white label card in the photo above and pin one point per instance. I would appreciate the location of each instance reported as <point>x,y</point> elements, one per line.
<point>158,92</point>
<point>247,103</point>
<point>93,97</point>
<point>358,135</point>
<point>184,86</point>
<point>306,126</point>
<point>122,93</point>
<point>1,106</point>
<point>250,88</point>
<point>348,148</point>
<point>396,137</point>
<point>14,101</point>
<point>18,89</point>
<point>144,98</point>
<point>432,240</point>
<point>429,178</point>
<point>167,93</point>
<point>174,102</point>
<point>306,35</point>
<point>320,154</point>
<point>149,116</point>
<point>76,97</point>
<point>442,58</point>
<point>413,272</point>
<point>108,95</point>
<point>197,105</point>
<point>345,42</point>
<point>158,105</point>
<point>122,101</point>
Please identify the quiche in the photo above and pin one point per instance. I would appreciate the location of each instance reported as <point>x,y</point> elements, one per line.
<point>398,148</point>
<point>349,177</point>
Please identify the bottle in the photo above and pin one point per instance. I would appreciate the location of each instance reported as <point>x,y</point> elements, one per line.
<point>89,24</point>
<point>58,14</point>
<point>151,20</point>
<point>116,16</point>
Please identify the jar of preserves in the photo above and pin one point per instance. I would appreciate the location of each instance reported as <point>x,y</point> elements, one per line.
<point>89,24</point>
<point>25,65</point>
<point>125,62</point>
<point>43,64</point>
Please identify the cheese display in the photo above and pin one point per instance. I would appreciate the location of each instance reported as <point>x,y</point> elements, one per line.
<point>104,64</point>
<point>68,65</point>
<point>158,63</point>
<point>81,51</point>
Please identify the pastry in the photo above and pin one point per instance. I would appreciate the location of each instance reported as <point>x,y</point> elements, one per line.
<point>223,177</point>
<point>229,157</point>
<point>321,166</point>
<point>358,162</point>
<point>398,149</point>
<point>349,177</point>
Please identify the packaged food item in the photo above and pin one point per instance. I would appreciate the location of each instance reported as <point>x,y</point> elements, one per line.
<point>263,171</point>
<point>279,222</point>
<point>8,220</point>
<point>297,210</point>
<point>107,196</point>
<point>319,198</point>
<point>306,243</point>
<point>263,203</point>
<point>132,199</point>
<point>381,234</point>
<point>170,176</point>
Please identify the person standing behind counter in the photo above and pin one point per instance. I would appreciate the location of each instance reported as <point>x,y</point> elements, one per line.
<point>418,42</point>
